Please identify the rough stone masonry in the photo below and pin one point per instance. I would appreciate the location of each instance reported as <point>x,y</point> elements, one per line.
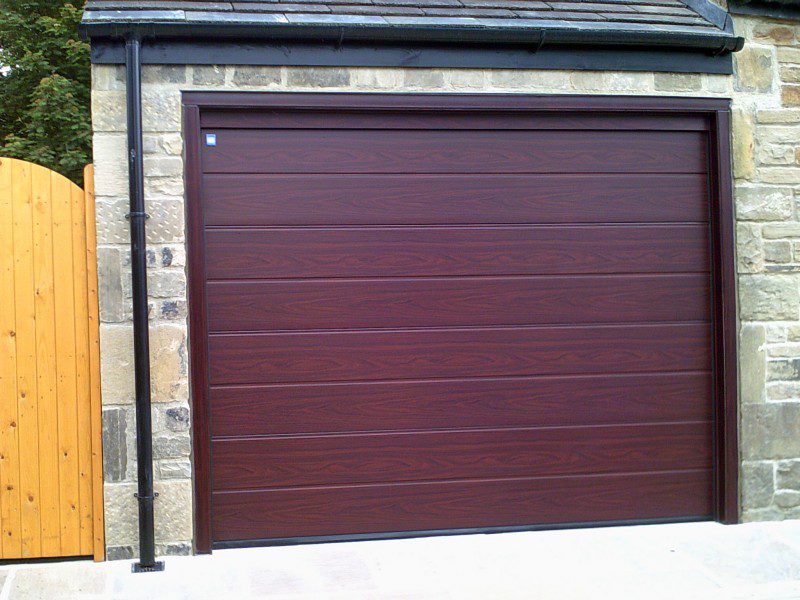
<point>766,138</point>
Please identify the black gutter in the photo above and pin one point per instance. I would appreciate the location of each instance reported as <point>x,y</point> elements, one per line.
<point>141,334</point>
<point>534,38</point>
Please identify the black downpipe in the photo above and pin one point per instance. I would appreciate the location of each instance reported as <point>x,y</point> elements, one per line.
<point>141,334</point>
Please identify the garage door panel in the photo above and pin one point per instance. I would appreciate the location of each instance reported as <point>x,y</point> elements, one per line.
<point>345,199</point>
<point>455,151</point>
<point>415,354</point>
<point>394,119</point>
<point>451,251</point>
<point>375,458</point>
<point>313,304</point>
<point>441,319</point>
<point>452,505</point>
<point>505,402</point>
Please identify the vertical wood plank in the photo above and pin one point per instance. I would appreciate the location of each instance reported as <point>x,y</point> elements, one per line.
<point>28,417</point>
<point>66,367</point>
<point>82,368</point>
<point>94,368</point>
<point>46,362</point>
<point>10,540</point>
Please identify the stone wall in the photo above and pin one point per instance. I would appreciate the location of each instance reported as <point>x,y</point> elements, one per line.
<point>766,94</point>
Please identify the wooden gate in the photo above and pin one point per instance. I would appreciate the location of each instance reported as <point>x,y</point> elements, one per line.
<point>51,501</point>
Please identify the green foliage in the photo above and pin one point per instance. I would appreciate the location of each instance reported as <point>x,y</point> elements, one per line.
<point>45,88</point>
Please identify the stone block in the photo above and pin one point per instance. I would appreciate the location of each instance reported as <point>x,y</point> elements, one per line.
<point>172,310</point>
<point>678,82</point>
<point>524,79</point>
<point>754,69</point>
<point>376,79</point>
<point>781,230</point>
<point>115,444</point>
<point>166,222</point>
<point>467,79</point>
<point>112,227</point>
<point>120,553</point>
<point>109,275</point>
<point>423,79</point>
<point>318,77</point>
<point>108,111</point>
<point>255,76</point>
<point>121,514</point>
<point>749,248</point>
<point>763,203</point>
<point>780,175</point>
<point>164,283</point>
<point>175,469</point>
<point>108,77</point>
<point>116,363</point>
<point>174,549</point>
<point>168,363</point>
<point>769,298</point>
<point>783,391</point>
<point>758,484</point>
<point>177,418</point>
<point>743,145</point>
<point>780,35</point>
<point>776,154</point>
<point>788,55</point>
<point>788,475</point>
<point>161,109</point>
<point>778,116</point>
<point>752,363</point>
<point>208,75</point>
<point>790,74</point>
<point>171,446</point>
<point>163,186</point>
<point>163,166</point>
<point>588,81</point>
<point>173,511</point>
<point>787,498</point>
<point>778,252</point>
<point>110,164</point>
<point>769,431</point>
<point>790,95</point>
<point>784,369</point>
<point>163,74</point>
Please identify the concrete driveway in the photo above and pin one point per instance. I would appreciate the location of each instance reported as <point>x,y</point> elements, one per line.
<point>685,561</point>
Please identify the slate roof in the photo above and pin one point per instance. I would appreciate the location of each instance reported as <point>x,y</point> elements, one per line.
<point>686,19</point>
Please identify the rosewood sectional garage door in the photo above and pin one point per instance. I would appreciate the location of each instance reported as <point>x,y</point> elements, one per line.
<point>424,320</point>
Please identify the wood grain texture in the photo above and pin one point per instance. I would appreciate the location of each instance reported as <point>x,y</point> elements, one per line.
<point>313,304</point>
<point>505,402</point>
<point>49,450</point>
<point>10,500</point>
<point>93,327</point>
<point>483,119</point>
<point>27,399</point>
<point>451,505</point>
<point>481,352</point>
<point>253,463</point>
<point>452,251</point>
<point>455,151</point>
<point>47,474</point>
<point>394,302</point>
<point>343,199</point>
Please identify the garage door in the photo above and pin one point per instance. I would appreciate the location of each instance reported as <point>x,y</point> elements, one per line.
<point>440,320</point>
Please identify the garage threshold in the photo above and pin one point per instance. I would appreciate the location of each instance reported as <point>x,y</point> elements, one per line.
<point>688,561</point>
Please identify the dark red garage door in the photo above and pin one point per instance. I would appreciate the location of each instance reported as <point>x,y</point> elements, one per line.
<point>437,320</point>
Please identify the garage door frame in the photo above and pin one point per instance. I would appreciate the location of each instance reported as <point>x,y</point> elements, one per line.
<point>724,354</point>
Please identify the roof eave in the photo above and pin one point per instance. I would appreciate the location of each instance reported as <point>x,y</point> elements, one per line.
<point>713,43</point>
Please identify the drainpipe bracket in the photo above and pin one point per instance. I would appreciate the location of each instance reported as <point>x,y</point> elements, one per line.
<point>154,568</point>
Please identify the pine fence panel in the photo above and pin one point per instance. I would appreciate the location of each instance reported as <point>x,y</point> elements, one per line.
<point>51,498</point>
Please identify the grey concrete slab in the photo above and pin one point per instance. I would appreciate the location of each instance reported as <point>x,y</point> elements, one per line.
<point>695,561</point>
